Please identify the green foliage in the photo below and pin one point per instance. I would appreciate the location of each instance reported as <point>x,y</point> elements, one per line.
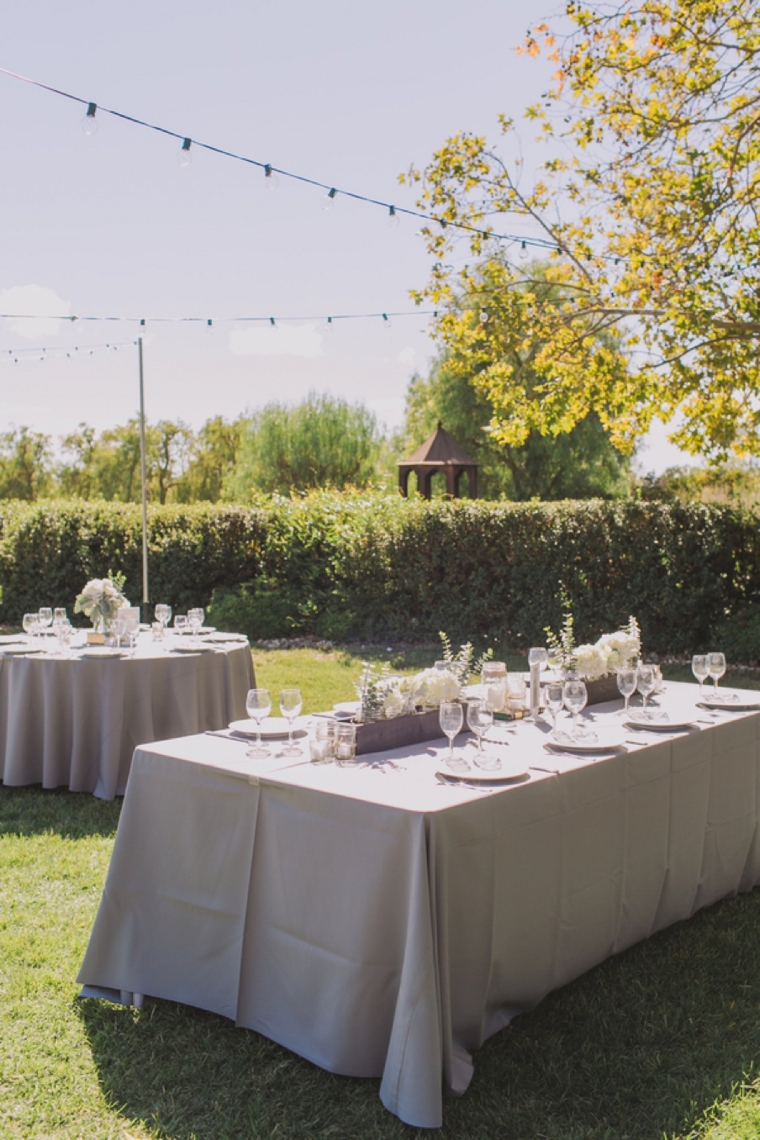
<point>321,442</point>
<point>373,566</point>
<point>579,464</point>
<point>25,464</point>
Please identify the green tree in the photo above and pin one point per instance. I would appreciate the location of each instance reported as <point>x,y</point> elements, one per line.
<point>649,210</point>
<point>25,464</point>
<point>578,464</point>
<point>108,466</point>
<point>213,454</point>
<point>321,442</point>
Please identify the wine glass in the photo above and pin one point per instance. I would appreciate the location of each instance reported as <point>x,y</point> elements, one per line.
<point>450,718</point>
<point>646,683</point>
<point>119,626</point>
<point>180,623</point>
<point>574,697</point>
<point>480,719</point>
<point>716,667</point>
<point>626,683</point>
<point>258,705</point>
<point>553,700</point>
<point>45,616</point>
<point>163,613</point>
<point>291,703</point>
<point>195,620</point>
<point>700,670</point>
<point>31,624</point>
<point>59,614</point>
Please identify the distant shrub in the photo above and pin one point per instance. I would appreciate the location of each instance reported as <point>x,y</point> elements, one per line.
<point>373,566</point>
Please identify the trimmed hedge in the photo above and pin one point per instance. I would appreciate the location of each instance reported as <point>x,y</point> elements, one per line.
<point>373,566</point>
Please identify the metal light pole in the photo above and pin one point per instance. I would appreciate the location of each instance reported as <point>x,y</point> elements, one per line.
<point>145,596</point>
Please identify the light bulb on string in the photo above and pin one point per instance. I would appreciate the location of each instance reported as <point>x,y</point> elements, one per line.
<point>272,323</point>
<point>522,253</point>
<point>386,321</point>
<point>184,158</point>
<point>209,327</point>
<point>329,322</point>
<point>394,221</point>
<point>329,199</point>
<point>271,181</point>
<point>89,122</point>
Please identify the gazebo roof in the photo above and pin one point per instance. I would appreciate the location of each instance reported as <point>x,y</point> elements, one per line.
<point>439,450</point>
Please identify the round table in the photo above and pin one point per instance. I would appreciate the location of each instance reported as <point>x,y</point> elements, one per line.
<point>76,721</point>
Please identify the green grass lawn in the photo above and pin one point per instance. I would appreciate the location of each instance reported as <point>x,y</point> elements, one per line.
<point>662,1041</point>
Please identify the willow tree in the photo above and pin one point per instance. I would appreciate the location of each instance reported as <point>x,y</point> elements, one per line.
<point>648,211</point>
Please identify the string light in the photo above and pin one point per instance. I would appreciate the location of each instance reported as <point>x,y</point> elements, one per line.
<point>89,122</point>
<point>329,199</point>
<point>394,221</point>
<point>184,158</point>
<point>37,355</point>
<point>271,172</point>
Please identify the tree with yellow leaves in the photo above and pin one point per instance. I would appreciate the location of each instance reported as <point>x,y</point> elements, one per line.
<point>649,216</point>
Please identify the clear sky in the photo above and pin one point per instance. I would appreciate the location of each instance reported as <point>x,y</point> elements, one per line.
<point>350,94</point>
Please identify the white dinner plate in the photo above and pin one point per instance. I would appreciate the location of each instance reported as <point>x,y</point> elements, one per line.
<point>659,723</point>
<point>347,708</point>
<point>95,654</point>
<point>12,639</point>
<point>201,647</point>
<point>607,741</point>
<point>510,770</point>
<point>187,632</point>
<point>21,649</point>
<point>732,702</point>
<point>272,728</point>
<point>222,637</point>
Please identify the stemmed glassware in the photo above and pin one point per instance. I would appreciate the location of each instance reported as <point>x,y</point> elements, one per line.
<point>120,626</point>
<point>451,718</point>
<point>45,615</point>
<point>716,667</point>
<point>258,705</point>
<point>31,624</point>
<point>180,623</point>
<point>291,703</point>
<point>163,613</point>
<point>479,720</point>
<point>626,683</point>
<point>646,683</point>
<point>59,615</point>
<point>195,620</point>
<point>700,670</point>
<point>553,700</point>
<point>574,697</point>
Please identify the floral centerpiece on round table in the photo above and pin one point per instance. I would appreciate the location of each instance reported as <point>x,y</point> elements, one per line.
<point>611,652</point>
<point>100,601</point>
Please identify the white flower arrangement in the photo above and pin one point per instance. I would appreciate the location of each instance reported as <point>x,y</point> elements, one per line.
<point>432,686</point>
<point>101,599</point>
<point>611,652</point>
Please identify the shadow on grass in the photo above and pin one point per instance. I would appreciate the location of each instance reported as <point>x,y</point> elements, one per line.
<point>31,810</point>
<point>639,1048</point>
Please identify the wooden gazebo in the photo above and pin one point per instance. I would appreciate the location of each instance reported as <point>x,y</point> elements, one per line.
<point>440,452</point>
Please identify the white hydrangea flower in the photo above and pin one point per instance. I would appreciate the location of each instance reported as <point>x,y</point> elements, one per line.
<point>432,686</point>
<point>592,661</point>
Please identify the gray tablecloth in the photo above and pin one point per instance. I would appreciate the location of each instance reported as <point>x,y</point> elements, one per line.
<point>76,722</point>
<point>382,924</point>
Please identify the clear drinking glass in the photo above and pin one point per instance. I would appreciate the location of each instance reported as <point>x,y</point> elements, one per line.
<point>345,744</point>
<point>480,719</point>
<point>699,669</point>
<point>451,718</point>
<point>59,614</point>
<point>31,625</point>
<point>180,623</point>
<point>45,616</point>
<point>538,657</point>
<point>553,700</point>
<point>291,703</point>
<point>493,680</point>
<point>258,705</point>
<point>163,613</point>
<point>195,620</point>
<point>626,683</point>
<point>646,683</point>
<point>716,667</point>
<point>574,697</point>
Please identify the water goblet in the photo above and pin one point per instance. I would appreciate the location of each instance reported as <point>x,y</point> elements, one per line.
<point>119,626</point>
<point>180,623</point>
<point>480,719</point>
<point>646,684</point>
<point>626,682</point>
<point>291,703</point>
<point>163,614</point>
<point>574,697</point>
<point>31,624</point>
<point>553,697</point>
<point>59,614</point>
<point>700,671</point>
<point>716,667</point>
<point>45,616</point>
<point>64,631</point>
<point>450,718</point>
<point>195,620</point>
<point>258,705</point>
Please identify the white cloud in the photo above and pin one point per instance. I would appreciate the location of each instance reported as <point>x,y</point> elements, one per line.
<point>37,301</point>
<point>408,356</point>
<point>282,340</point>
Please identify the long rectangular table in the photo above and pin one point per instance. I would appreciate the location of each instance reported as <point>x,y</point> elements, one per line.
<point>381,924</point>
